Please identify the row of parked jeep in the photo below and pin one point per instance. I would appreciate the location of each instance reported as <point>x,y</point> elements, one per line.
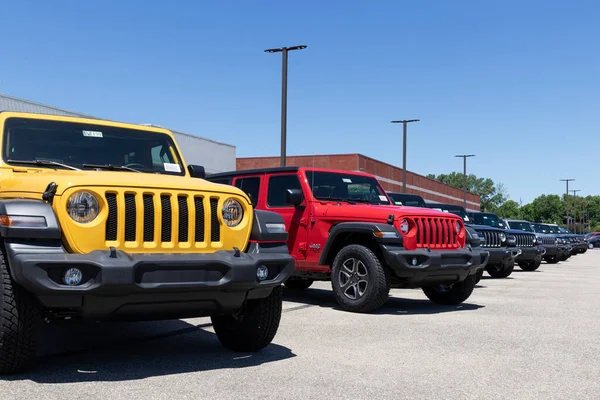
<point>508,241</point>
<point>102,220</point>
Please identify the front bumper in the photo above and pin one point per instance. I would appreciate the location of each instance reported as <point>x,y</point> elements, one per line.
<point>531,253</point>
<point>119,285</point>
<point>552,250</point>
<point>502,256</point>
<point>434,266</point>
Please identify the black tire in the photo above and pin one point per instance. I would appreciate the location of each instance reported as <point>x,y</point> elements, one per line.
<point>20,320</point>
<point>367,266</point>
<point>478,276</point>
<point>298,284</point>
<point>501,271</point>
<point>552,259</point>
<point>530,265</point>
<point>456,294</point>
<point>253,327</point>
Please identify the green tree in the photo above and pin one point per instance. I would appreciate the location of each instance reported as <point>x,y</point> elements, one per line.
<point>526,212</point>
<point>509,209</point>
<point>491,195</point>
<point>548,208</point>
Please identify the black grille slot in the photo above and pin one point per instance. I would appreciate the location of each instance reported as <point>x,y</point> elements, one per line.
<point>492,239</point>
<point>215,227</point>
<point>167,218</point>
<point>524,240</point>
<point>183,218</point>
<point>199,205</point>
<point>148,218</point>
<point>130,219</point>
<point>111,221</point>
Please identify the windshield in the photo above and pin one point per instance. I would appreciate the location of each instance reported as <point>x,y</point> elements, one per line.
<point>407,200</point>
<point>522,226</point>
<point>456,210</point>
<point>346,187</point>
<point>488,219</point>
<point>88,146</point>
<point>562,230</point>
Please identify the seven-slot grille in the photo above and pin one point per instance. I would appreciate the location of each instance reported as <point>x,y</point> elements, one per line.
<point>548,240</point>
<point>492,238</point>
<point>524,240</point>
<point>436,233</point>
<point>165,218</point>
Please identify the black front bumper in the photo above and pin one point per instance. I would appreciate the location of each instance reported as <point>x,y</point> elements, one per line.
<point>531,253</point>
<point>552,250</point>
<point>434,266</point>
<point>119,285</point>
<point>502,255</point>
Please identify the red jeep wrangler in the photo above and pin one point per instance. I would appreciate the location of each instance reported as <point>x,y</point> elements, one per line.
<point>343,227</point>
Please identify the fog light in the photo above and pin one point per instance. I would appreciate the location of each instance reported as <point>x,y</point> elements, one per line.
<point>414,261</point>
<point>262,273</point>
<point>72,277</point>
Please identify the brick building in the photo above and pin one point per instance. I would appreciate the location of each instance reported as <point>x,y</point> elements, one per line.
<point>388,175</point>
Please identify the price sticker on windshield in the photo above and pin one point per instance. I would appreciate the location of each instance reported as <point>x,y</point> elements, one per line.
<point>382,198</point>
<point>346,180</point>
<point>96,134</point>
<point>172,167</point>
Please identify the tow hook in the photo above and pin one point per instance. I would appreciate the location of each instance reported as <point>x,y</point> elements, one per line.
<point>543,250</point>
<point>516,253</point>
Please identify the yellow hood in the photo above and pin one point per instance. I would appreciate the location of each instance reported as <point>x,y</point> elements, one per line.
<point>34,181</point>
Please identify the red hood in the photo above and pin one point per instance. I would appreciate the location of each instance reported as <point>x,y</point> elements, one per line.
<point>375,213</point>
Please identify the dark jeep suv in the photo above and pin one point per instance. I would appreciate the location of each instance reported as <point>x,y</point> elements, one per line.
<point>532,250</point>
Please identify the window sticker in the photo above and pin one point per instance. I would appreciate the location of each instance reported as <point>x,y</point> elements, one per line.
<point>346,180</point>
<point>382,198</point>
<point>95,134</point>
<point>172,167</point>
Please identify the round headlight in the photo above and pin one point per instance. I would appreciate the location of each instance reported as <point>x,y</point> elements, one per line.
<point>457,225</point>
<point>83,207</point>
<point>232,212</point>
<point>404,225</point>
<point>502,237</point>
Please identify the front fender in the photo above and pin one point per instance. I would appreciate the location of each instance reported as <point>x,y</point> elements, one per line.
<point>382,233</point>
<point>29,208</point>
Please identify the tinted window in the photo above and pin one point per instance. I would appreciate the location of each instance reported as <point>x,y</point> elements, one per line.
<point>488,219</point>
<point>522,226</point>
<point>407,200</point>
<point>456,210</point>
<point>278,185</point>
<point>249,185</point>
<point>337,186</point>
<point>82,145</point>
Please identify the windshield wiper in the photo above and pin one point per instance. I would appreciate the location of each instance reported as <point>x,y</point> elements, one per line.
<point>43,162</point>
<point>111,167</point>
<point>336,199</point>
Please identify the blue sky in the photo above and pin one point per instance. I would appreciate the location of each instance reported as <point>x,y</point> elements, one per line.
<point>514,82</point>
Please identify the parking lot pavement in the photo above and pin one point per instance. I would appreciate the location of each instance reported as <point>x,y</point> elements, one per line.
<point>534,335</point>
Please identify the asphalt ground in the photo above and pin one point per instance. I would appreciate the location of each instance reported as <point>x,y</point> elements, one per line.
<point>534,335</point>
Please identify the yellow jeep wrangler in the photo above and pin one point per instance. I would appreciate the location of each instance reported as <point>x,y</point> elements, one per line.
<point>103,220</point>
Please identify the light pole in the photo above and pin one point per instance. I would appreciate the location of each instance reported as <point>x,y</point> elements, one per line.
<point>575,209</point>
<point>284,68</point>
<point>567,199</point>
<point>404,122</point>
<point>464,157</point>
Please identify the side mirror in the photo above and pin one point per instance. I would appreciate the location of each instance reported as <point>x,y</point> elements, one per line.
<point>293,196</point>
<point>197,171</point>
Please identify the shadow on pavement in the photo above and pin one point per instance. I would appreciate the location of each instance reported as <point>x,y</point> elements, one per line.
<point>325,298</point>
<point>87,352</point>
<point>486,277</point>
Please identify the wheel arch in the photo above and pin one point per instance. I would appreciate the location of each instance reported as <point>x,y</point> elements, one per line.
<point>344,234</point>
